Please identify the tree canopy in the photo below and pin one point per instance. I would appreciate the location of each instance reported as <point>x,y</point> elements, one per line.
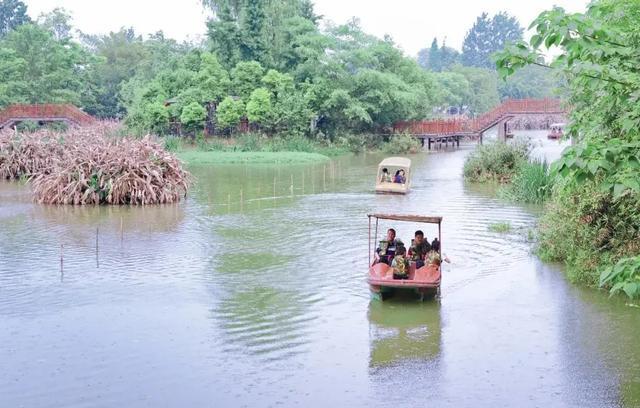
<point>487,36</point>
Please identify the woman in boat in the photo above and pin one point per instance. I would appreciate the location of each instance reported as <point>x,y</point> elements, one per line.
<point>399,177</point>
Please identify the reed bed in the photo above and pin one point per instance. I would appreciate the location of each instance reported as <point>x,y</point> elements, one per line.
<point>93,165</point>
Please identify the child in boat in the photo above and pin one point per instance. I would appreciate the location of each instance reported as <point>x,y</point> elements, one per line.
<point>400,264</point>
<point>386,177</point>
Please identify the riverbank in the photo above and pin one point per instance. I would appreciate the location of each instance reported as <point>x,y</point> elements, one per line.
<point>200,158</point>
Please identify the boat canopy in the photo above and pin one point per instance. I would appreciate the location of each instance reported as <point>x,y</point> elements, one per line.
<point>396,162</point>
<point>407,217</point>
<point>558,125</point>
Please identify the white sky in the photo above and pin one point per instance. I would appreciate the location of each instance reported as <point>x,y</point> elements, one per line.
<point>411,23</point>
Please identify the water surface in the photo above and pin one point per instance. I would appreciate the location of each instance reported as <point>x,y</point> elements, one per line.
<point>253,293</point>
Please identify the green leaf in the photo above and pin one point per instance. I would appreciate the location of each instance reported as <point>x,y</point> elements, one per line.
<point>632,184</point>
<point>593,167</point>
<point>618,189</point>
<point>631,289</point>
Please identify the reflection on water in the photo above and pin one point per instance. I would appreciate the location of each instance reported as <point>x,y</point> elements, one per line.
<point>403,331</point>
<point>253,292</point>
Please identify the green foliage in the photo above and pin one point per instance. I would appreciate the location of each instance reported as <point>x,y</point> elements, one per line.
<point>438,58</point>
<point>594,219</point>
<point>401,144</point>
<point>588,229</point>
<point>487,36</point>
<point>500,227</point>
<point>172,143</point>
<point>193,116</point>
<point>259,108</point>
<point>624,276</point>
<point>532,81</point>
<point>532,183</point>
<point>35,68</point>
<point>245,78</point>
<point>230,111</point>
<point>614,163</point>
<point>496,161</point>
<point>482,93</point>
<point>13,13</point>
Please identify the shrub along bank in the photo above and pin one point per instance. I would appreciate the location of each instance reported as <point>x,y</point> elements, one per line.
<point>592,221</point>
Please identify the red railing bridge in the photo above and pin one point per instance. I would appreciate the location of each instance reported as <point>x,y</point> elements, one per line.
<point>67,113</point>
<point>454,129</point>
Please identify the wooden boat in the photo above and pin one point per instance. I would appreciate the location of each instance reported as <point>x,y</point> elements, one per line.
<point>385,183</point>
<point>424,281</point>
<point>556,131</point>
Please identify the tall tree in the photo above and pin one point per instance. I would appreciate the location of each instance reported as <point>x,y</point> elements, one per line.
<point>13,13</point>
<point>487,36</point>
<point>438,58</point>
<point>253,46</point>
<point>36,68</point>
<point>58,22</point>
<point>435,63</point>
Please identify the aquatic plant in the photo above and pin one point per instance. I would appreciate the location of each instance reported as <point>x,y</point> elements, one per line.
<point>531,183</point>
<point>401,144</point>
<point>92,166</point>
<point>496,161</point>
<point>500,227</point>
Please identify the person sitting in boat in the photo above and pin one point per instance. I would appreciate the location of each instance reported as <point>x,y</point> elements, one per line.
<point>435,245</point>
<point>386,177</point>
<point>387,249</point>
<point>419,249</point>
<point>400,263</point>
<point>399,177</point>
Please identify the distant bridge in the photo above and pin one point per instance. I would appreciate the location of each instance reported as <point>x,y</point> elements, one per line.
<point>44,113</point>
<point>443,130</point>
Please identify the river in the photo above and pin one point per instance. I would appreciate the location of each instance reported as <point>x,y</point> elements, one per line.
<point>253,292</point>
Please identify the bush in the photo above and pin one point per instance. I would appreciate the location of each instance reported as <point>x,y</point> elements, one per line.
<point>172,143</point>
<point>354,143</point>
<point>589,229</point>
<point>401,144</point>
<point>250,142</point>
<point>496,161</point>
<point>532,183</point>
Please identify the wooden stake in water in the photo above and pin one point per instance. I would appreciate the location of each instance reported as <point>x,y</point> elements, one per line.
<point>121,231</point>
<point>61,261</point>
<point>303,183</point>
<point>274,186</point>
<point>241,201</point>
<point>291,187</point>
<point>228,202</point>
<point>324,178</point>
<point>97,261</point>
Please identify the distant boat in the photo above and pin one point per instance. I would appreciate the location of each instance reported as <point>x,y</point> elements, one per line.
<point>397,177</point>
<point>556,131</point>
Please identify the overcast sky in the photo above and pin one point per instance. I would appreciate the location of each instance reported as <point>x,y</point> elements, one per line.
<point>411,23</point>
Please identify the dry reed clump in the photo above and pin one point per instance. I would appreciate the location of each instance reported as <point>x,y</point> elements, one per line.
<point>27,154</point>
<point>92,165</point>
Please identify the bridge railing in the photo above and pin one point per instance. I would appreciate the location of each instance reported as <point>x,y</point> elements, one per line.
<point>482,122</point>
<point>45,111</point>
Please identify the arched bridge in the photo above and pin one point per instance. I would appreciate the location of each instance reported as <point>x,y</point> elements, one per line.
<point>43,113</point>
<point>454,129</point>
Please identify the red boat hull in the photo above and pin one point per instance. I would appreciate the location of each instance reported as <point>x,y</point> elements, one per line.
<point>423,280</point>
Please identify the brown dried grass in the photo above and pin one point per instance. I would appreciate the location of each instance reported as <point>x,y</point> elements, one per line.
<point>93,166</point>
